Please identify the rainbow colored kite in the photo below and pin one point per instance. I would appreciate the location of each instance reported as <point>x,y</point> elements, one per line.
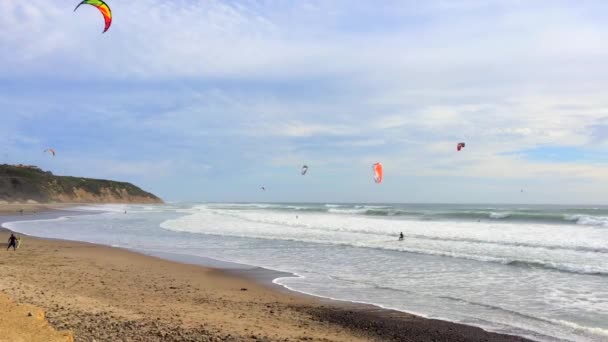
<point>102,7</point>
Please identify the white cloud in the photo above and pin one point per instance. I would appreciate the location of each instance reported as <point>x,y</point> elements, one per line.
<point>301,129</point>
<point>155,38</point>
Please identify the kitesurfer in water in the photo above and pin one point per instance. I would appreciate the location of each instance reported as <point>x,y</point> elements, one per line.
<point>401,236</point>
<point>12,242</point>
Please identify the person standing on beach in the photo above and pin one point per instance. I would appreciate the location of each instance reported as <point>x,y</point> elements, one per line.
<point>12,242</point>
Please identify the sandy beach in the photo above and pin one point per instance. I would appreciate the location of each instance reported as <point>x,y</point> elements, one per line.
<point>108,294</point>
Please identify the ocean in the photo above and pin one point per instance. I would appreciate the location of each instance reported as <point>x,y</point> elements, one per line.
<point>536,271</point>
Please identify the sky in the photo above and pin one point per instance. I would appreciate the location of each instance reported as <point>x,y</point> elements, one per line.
<point>208,100</point>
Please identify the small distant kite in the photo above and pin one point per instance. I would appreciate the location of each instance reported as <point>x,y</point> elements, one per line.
<point>304,169</point>
<point>377,172</point>
<point>263,188</point>
<point>460,146</point>
<point>50,151</point>
<point>103,8</point>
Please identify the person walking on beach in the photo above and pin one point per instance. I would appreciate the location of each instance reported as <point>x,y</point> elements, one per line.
<point>12,242</point>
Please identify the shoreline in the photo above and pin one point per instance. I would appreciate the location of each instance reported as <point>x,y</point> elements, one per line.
<point>361,321</point>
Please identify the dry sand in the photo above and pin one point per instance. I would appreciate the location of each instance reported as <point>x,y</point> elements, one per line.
<point>26,323</point>
<point>109,294</point>
<point>112,294</point>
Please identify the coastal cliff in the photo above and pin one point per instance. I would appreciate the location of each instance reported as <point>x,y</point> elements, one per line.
<point>29,183</point>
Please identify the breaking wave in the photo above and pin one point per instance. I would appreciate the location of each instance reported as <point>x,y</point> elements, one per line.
<point>588,217</point>
<point>514,244</point>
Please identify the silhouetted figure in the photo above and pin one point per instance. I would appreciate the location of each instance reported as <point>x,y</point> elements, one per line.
<point>12,242</point>
<point>401,236</point>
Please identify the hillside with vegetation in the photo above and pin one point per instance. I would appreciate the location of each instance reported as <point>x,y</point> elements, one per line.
<point>29,183</point>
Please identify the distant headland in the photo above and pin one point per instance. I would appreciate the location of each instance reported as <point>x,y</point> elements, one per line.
<point>28,183</point>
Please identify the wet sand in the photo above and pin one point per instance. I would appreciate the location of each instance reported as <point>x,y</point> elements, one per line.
<point>110,294</point>
<point>28,208</point>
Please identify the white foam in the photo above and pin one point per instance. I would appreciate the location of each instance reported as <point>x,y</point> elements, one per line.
<point>116,208</point>
<point>347,211</point>
<point>599,332</point>
<point>518,244</point>
<point>499,215</point>
<point>588,220</point>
